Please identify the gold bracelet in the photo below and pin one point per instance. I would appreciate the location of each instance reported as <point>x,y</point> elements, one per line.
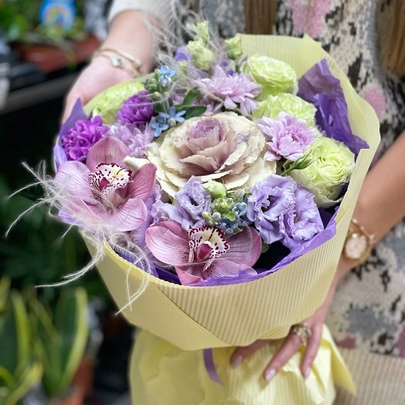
<point>118,62</point>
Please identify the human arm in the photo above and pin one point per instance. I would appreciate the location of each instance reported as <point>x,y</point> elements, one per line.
<point>129,32</point>
<point>379,207</point>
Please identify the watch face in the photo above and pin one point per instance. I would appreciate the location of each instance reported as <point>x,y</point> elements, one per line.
<point>356,245</point>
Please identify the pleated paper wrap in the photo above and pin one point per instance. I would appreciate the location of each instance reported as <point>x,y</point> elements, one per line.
<point>194,318</point>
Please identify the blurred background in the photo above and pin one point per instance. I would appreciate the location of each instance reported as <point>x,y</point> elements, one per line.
<point>57,343</point>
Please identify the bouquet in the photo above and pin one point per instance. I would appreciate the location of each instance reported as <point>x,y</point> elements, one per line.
<point>216,192</point>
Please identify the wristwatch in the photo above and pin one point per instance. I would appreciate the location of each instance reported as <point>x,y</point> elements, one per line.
<point>359,242</point>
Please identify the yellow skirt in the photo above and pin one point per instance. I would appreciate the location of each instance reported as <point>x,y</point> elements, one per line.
<point>162,374</point>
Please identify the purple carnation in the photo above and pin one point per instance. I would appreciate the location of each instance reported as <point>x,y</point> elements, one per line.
<point>191,201</point>
<point>136,138</point>
<point>137,109</point>
<point>77,141</point>
<point>288,137</point>
<point>283,211</point>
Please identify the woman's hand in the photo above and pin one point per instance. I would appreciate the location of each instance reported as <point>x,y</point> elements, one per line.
<point>95,78</point>
<point>292,342</point>
<point>129,32</point>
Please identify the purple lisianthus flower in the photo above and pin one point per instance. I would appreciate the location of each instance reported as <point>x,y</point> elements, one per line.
<point>137,109</point>
<point>303,222</point>
<point>191,202</point>
<point>283,211</point>
<point>234,89</point>
<point>137,138</point>
<point>77,141</point>
<point>288,137</point>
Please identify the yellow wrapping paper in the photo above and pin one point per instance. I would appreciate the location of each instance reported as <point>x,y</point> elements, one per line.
<point>193,318</point>
<point>160,373</point>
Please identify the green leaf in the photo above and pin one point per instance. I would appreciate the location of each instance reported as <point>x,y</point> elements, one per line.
<point>189,98</point>
<point>195,111</point>
<point>71,323</point>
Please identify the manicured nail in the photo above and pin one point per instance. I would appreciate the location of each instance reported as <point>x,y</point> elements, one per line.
<point>236,361</point>
<point>270,374</point>
<point>306,372</point>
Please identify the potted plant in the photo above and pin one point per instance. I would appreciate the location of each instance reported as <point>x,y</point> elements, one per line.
<point>62,336</point>
<point>20,369</point>
<point>50,33</point>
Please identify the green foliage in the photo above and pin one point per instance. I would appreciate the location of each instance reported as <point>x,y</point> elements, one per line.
<point>20,368</point>
<point>62,336</point>
<point>40,249</point>
<point>20,21</point>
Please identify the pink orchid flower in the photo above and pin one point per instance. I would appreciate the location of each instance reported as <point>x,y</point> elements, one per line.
<point>104,192</point>
<point>204,252</point>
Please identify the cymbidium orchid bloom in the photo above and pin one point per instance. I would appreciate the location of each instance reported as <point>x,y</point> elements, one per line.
<point>204,252</point>
<point>104,192</point>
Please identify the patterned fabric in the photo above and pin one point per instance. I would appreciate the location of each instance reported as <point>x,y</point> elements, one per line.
<point>368,312</point>
<point>369,307</point>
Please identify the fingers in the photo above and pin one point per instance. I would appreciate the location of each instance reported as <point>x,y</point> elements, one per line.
<point>69,103</point>
<point>241,353</point>
<point>289,347</point>
<point>312,349</point>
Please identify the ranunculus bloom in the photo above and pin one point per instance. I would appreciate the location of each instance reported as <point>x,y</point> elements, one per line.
<point>275,76</point>
<point>203,252</point>
<point>104,195</point>
<point>331,166</point>
<point>283,211</point>
<point>288,137</point>
<point>223,147</point>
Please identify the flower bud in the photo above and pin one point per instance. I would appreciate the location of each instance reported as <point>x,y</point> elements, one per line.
<point>234,47</point>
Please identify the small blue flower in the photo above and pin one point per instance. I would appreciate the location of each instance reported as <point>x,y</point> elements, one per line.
<point>159,124</point>
<point>166,75</point>
<point>166,71</point>
<point>172,118</point>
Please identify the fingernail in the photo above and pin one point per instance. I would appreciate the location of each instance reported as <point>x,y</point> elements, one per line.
<point>306,372</point>
<point>236,361</point>
<point>270,374</point>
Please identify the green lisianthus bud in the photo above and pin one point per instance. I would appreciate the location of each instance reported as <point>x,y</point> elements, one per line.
<point>275,76</point>
<point>288,103</point>
<point>234,47</point>
<point>151,85</point>
<point>201,56</point>
<point>216,189</point>
<point>331,166</point>
<point>201,32</point>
